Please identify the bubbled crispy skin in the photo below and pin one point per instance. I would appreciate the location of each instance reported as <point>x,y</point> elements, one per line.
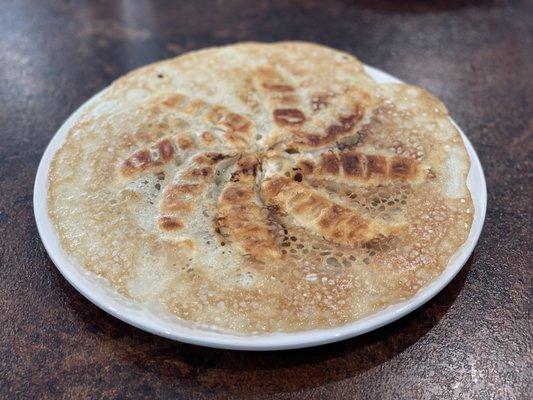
<point>262,187</point>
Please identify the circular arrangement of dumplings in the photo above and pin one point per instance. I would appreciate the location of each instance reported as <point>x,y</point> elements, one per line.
<point>262,187</point>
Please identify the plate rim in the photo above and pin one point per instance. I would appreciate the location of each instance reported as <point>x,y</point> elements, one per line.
<point>261,342</point>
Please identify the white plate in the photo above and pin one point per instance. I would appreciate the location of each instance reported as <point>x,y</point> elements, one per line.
<point>100,293</point>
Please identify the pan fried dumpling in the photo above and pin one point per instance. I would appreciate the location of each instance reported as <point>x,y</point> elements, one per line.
<point>262,188</point>
<point>242,216</point>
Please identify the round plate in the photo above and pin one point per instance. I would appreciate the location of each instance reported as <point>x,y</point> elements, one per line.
<point>100,293</point>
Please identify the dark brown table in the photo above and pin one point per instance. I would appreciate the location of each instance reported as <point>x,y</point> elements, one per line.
<point>473,341</point>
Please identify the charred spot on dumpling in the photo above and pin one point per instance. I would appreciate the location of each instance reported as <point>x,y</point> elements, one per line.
<point>236,122</point>
<point>166,150</point>
<point>291,150</point>
<point>278,87</point>
<point>175,197</point>
<point>288,99</point>
<point>170,223</point>
<point>307,204</point>
<point>189,188</point>
<point>273,187</point>
<point>198,173</point>
<point>289,116</point>
<point>248,166</point>
<point>334,130</point>
<point>201,172</point>
<point>273,211</point>
<point>376,165</point>
<point>141,160</point>
<point>194,107</point>
<point>174,100</point>
<point>345,125</point>
<point>138,161</point>
<point>216,157</point>
<point>209,158</point>
<point>329,163</point>
<point>330,216</point>
<point>208,138</point>
<point>352,163</point>
<point>306,166</point>
<point>402,168</point>
<point>184,142</point>
<point>237,194</point>
<point>272,80</point>
<point>348,122</point>
<point>215,114</point>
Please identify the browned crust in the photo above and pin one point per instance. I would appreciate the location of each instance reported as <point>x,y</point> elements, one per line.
<point>170,223</point>
<point>353,165</point>
<point>143,160</point>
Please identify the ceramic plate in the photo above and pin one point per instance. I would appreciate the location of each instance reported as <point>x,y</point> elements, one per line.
<point>100,293</point>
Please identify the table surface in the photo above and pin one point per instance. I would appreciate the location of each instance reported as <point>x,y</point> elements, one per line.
<point>473,340</point>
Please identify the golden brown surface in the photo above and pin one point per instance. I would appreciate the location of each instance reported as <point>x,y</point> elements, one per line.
<point>262,187</point>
